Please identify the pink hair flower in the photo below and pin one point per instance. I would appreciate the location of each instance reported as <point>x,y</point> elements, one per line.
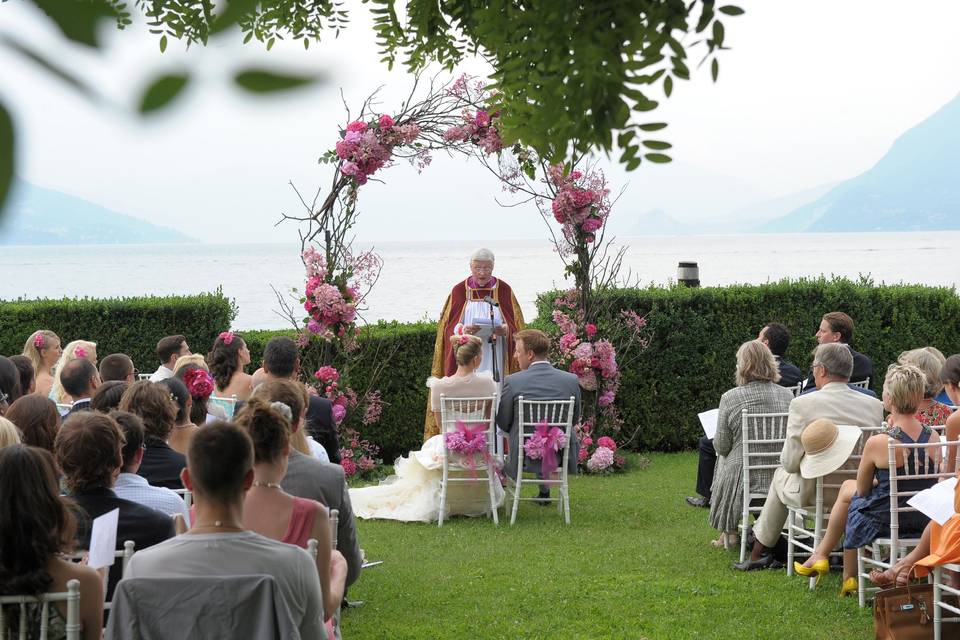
<point>80,352</point>
<point>38,340</point>
<point>199,383</point>
<point>227,337</point>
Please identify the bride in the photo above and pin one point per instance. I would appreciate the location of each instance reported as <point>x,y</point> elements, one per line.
<point>413,494</point>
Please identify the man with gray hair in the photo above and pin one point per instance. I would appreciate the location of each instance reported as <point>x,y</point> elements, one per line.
<point>479,305</point>
<point>835,401</point>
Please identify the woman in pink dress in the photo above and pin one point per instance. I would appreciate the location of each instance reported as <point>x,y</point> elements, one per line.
<point>274,513</point>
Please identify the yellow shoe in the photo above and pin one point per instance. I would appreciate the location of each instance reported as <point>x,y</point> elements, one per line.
<point>820,567</point>
<point>850,586</point>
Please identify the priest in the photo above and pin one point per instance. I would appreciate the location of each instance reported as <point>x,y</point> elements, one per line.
<point>480,305</point>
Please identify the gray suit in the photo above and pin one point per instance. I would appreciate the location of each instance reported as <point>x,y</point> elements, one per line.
<point>540,381</point>
<point>836,402</point>
<point>324,482</point>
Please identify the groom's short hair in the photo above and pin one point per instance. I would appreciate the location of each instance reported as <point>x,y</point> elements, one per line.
<point>280,357</point>
<point>534,340</point>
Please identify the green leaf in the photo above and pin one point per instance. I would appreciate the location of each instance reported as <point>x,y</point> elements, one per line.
<point>715,69</point>
<point>658,145</point>
<point>78,21</point>
<point>7,154</point>
<point>659,158</point>
<point>718,33</point>
<point>163,44</point>
<point>633,164</point>
<point>667,86</point>
<point>731,10</point>
<point>262,81</point>
<point>162,92</point>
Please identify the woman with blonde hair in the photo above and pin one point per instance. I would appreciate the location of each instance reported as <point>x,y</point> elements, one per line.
<point>43,349</point>
<point>195,359</point>
<point>757,391</point>
<point>73,351</point>
<point>861,512</point>
<point>9,434</point>
<point>930,361</point>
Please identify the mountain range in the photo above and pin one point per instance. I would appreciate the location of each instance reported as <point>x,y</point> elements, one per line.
<point>40,216</point>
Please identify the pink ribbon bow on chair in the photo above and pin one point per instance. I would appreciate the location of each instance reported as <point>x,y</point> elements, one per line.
<point>467,440</point>
<point>543,445</point>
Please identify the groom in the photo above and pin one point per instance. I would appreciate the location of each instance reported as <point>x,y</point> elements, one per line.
<point>536,380</point>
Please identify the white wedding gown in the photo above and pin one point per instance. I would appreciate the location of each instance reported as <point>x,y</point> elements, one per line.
<point>413,493</point>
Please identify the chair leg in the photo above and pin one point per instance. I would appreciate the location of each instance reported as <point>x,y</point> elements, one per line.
<point>861,587</point>
<point>443,499</point>
<point>743,538</point>
<point>791,522</point>
<point>566,501</point>
<point>491,476</point>
<point>516,500</point>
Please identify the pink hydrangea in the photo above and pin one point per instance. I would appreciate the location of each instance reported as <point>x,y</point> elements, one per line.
<point>327,374</point>
<point>339,413</point>
<point>568,341</point>
<point>607,442</point>
<point>601,460</point>
<point>591,224</point>
<point>349,467</point>
<point>606,398</point>
<point>366,463</point>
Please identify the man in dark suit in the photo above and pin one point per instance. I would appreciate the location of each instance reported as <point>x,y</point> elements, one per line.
<point>80,379</point>
<point>536,380</point>
<point>281,360</point>
<point>88,451</point>
<point>837,326</point>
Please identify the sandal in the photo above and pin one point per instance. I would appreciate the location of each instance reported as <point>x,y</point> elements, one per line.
<point>726,540</point>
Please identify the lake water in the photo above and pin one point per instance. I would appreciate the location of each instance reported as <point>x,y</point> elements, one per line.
<point>417,276</point>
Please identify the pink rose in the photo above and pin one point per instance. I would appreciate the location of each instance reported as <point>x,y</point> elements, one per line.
<point>482,119</point>
<point>339,412</point>
<point>349,467</point>
<point>591,329</point>
<point>358,126</point>
<point>582,455</point>
<point>345,149</point>
<point>608,442</point>
<point>327,374</point>
<point>587,442</point>
<point>386,122</point>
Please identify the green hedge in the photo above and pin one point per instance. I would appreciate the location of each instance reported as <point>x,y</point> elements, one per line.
<point>694,335</point>
<point>119,325</point>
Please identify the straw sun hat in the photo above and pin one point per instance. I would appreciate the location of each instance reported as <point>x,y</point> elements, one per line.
<point>826,447</point>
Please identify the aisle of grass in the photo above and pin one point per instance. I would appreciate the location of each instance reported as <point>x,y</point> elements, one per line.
<point>635,563</point>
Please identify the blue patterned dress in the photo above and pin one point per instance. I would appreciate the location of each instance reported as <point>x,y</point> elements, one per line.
<point>869,516</point>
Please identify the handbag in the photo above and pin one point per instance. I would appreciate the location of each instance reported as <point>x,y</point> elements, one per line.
<point>904,613</point>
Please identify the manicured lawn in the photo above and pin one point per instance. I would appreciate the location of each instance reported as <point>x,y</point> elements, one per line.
<point>634,563</point>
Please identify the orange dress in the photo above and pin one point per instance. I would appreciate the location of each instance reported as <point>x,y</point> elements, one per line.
<point>944,541</point>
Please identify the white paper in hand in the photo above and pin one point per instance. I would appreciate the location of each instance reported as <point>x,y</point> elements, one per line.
<point>103,540</point>
<point>708,419</point>
<point>936,502</point>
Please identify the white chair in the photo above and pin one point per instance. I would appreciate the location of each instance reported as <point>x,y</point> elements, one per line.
<point>229,405</point>
<point>761,436</point>
<point>863,384</point>
<point>471,411</point>
<point>796,389</point>
<point>531,413</point>
<point>939,606</point>
<point>63,408</point>
<point>187,496</point>
<point>124,555</point>
<point>144,376</point>
<point>805,525</point>
<point>899,546</point>
<point>71,596</point>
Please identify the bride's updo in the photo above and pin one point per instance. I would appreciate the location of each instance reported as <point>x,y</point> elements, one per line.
<point>466,348</point>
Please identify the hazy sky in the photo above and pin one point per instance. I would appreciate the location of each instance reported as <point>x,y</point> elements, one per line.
<point>812,92</point>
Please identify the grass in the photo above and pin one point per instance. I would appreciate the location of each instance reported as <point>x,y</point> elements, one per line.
<point>634,563</point>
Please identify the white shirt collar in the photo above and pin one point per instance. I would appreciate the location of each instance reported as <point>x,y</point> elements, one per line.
<point>546,362</point>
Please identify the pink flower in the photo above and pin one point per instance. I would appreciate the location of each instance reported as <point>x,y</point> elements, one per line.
<point>619,461</point>
<point>227,337</point>
<point>353,138</point>
<point>606,398</point>
<point>199,383</point>
<point>386,122</point>
<point>601,460</point>
<point>607,442</point>
<point>345,149</point>
<point>582,455</point>
<point>356,125</point>
<point>482,119</point>
<point>38,340</point>
<point>591,330</point>
<point>349,467</point>
<point>587,442</point>
<point>80,352</point>
<point>339,413</point>
<point>568,341</point>
<point>327,374</point>
<point>591,224</point>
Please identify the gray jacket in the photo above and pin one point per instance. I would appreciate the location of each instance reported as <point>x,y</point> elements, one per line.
<point>540,381</point>
<point>324,482</point>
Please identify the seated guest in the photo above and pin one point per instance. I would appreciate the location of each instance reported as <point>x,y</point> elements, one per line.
<point>38,420</point>
<point>777,338</point>
<point>43,350</point>
<point>309,478</point>
<point>28,382</point>
<point>133,487</point>
<point>219,472</point>
<point>161,465</point>
<point>200,385</point>
<point>862,509</point>
<point>118,366</point>
<point>281,361</point>
<point>169,349</point>
<point>536,380</point>
<point>35,529</point>
<point>89,452</point>
<point>274,513</point>
<point>80,380</point>
<point>950,377</point>
<point>834,401</point>
<point>757,391</point>
<point>183,428</point>
<point>837,327</point>
<point>78,349</point>
<point>107,397</point>
<point>9,384</point>
<point>930,412</point>
<point>226,361</point>
<point>195,359</point>
<point>9,434</point>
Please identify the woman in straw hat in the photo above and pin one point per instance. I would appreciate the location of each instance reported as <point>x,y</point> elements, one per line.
<point>862,510</point>
<point>757,391</point>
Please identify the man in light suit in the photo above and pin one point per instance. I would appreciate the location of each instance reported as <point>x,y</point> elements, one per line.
<point>832,366</point>
<point>536,380</point>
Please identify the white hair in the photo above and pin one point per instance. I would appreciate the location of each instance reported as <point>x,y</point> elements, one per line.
<point>483,255</point>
